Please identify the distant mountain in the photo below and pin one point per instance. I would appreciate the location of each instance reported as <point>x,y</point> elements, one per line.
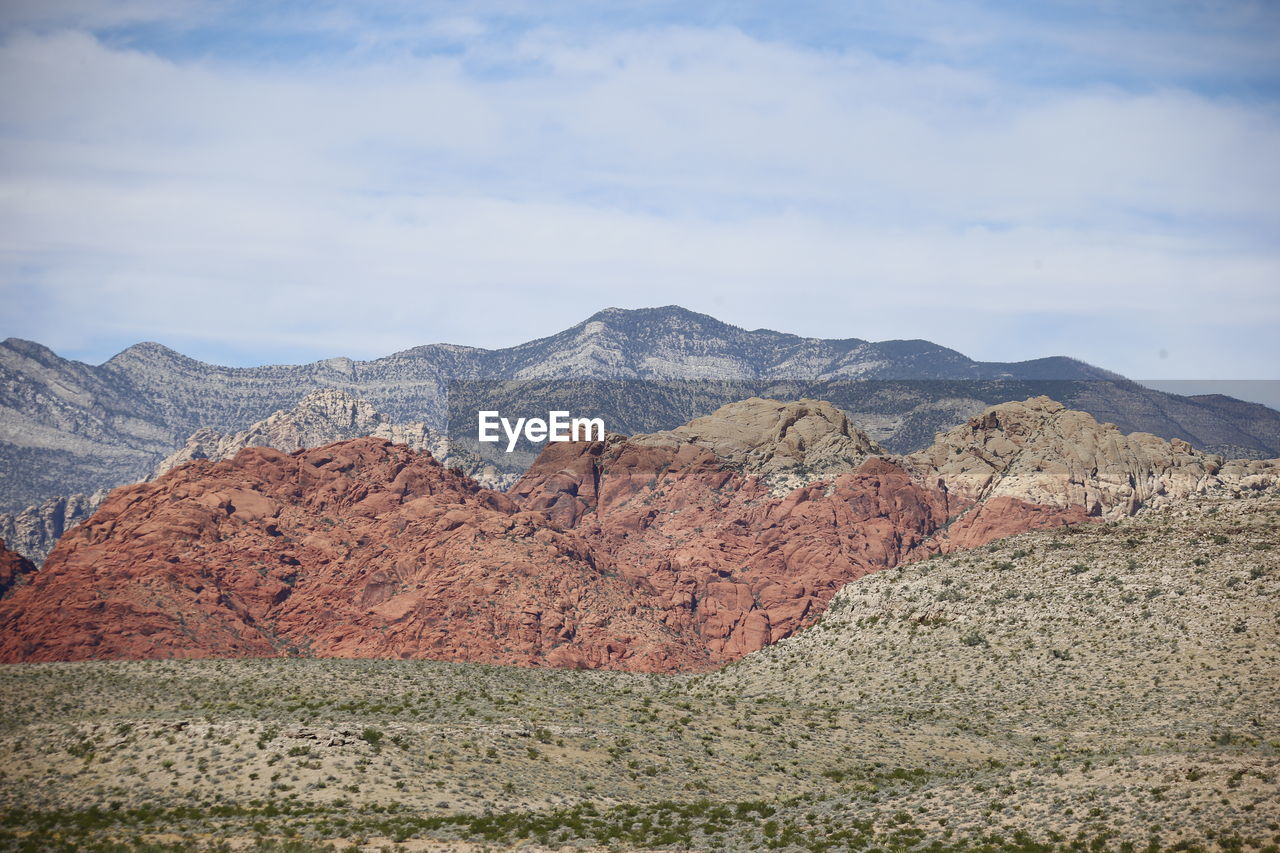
<point>67,427</point>
<point>674,343</point>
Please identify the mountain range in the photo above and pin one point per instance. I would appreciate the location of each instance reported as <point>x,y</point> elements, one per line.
<point>71,428</point>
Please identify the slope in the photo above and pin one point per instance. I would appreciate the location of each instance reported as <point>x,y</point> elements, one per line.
<point>1106,689</point>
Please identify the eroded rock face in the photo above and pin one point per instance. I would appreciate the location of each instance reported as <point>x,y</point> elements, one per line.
<point>656,552</point>
<point>34,531</point>
<point>358,549</point>
<point>611,555</point>
<point>1002,516</point>
<point>1039,452</point>
<point>783,444</point>
<point>13,569</point>
<point>323,417</point>
<point>737,567</point>
<point>319,418</point>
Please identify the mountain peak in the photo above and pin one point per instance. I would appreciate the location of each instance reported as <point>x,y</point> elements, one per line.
<point>665,315</point>
<point>148,352</point>
<point>32,350</point>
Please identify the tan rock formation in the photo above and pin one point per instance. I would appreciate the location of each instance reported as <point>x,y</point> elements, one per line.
<point>783,444</point>
<point>1042,453</point>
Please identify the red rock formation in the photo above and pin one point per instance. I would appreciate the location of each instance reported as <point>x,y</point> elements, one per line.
<point>1003,516</point>
<point>13,568</point>
<point>357,549</point>
<point>737,568</point>
<point>645,554</point>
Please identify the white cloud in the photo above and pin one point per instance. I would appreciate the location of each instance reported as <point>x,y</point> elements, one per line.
<point>386,200</point>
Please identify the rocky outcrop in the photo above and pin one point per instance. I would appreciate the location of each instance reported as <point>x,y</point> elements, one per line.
<point>326,416</point>
<point>369,549</point>
<point>1039,452</point>
<point>656,552</point>
<point>14,568</point>
<point>743,566</point>
<point>1001,517</point>
<point>358,549</point>
<point>319,418</point>
<point>34,531</point>
<point>783,444</point>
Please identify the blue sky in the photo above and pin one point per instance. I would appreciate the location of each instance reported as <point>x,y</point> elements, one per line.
<point>252,183</point>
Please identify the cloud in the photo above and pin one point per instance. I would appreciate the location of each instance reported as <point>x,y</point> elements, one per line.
<point>96,15</point>
<point>376,197</point>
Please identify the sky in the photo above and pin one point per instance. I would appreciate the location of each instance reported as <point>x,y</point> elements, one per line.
<point>258,183</point>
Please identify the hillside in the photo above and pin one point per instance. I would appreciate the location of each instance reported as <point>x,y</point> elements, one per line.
<point>1106,686</point>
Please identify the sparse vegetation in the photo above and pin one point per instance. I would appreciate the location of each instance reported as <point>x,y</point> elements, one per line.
<point>1031,708</point>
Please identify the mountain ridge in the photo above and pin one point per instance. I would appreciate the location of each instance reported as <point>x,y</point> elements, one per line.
<point>67,427</point>
<point>153,350</point>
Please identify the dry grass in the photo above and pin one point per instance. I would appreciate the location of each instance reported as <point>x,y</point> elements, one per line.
<point>1108,687</point>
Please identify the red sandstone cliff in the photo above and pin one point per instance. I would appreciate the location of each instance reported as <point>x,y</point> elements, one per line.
<point>738,567</point>
<point>358,549</point>
<point>660,552</point>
